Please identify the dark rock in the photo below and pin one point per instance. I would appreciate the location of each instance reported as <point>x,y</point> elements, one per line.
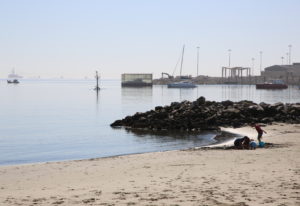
<point>205,115</point>
<point>158,108</point>
<point>117,123</point>
<point>201,100</point>
<point>295,107</point>
<point>227,103</point>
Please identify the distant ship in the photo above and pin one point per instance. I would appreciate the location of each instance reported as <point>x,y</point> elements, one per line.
<point>13,78</point>
<point>13,75</point>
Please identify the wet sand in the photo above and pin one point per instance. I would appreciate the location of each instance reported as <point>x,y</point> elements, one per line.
<point>201,176</point>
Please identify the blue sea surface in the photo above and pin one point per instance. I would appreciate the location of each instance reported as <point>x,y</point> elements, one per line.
<point>54,120</point>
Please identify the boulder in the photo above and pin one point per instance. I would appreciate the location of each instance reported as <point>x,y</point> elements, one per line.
<point>201,100</point>
<point>205,115</point>
<point>117,123</point>
<point>227,103</point>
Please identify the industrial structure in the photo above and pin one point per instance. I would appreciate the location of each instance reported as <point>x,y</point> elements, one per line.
<point>136,80</point>
<point>288,73</point>
<point>235,75</point>
<point>168,75</point>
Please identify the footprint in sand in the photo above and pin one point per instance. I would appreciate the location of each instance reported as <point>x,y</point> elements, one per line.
<point>131,203</point>
<point>90,200</point>
<point>38,200</point>
<point>58,202</point>
<point>97,192</point>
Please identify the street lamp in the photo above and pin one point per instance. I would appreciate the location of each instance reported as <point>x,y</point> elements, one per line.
<point>290,53</point>
<point>282,58</point>
<point>197,60</point>
<point>229,53</point>
<point>260,61</point>
<point>252,66</point>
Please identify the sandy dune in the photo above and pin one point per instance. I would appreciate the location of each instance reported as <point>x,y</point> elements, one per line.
<point>269,176</point>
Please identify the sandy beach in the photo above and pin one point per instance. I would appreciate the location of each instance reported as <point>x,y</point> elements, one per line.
<point>265,176</point>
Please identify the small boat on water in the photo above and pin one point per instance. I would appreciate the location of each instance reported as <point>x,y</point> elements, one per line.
<point>15,81</point>
<point>274,84</point>
<point>183,84</point>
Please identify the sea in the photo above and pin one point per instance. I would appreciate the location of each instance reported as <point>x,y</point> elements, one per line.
<point>58,120</point>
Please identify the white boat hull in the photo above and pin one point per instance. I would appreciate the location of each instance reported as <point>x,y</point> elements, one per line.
<point>181,85</point>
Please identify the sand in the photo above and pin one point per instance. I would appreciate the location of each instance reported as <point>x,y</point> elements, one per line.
<point>268,176</point>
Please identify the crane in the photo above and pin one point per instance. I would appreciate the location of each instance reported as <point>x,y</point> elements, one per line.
<point>169,76</point>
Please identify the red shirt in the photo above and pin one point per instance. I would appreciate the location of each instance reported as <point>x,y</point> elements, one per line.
<point>258,129</point>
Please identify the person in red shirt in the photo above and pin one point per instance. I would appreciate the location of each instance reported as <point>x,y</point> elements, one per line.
<point>260,131</point>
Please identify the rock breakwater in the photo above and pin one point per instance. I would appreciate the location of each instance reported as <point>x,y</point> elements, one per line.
<point>210,115</point>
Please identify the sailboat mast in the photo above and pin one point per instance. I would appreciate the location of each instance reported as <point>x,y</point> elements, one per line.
<point>181,60</point>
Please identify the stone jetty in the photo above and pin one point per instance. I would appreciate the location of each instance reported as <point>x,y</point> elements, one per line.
<point>210,115</point>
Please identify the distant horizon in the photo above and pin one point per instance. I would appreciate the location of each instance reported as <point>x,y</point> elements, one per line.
<point>114,78</point>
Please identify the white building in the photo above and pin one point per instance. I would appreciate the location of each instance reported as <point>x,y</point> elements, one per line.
<point>289,73</point>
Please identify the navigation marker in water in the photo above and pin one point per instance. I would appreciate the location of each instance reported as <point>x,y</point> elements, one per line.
<point>97,88</point>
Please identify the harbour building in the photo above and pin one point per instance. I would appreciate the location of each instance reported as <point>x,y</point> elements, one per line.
<point>136,80</point>
<point>288,73</point>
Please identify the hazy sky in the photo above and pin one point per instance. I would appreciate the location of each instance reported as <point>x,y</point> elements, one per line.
<point>73,38</point>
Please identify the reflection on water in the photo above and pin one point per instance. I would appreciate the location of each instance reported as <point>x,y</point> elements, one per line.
<point>174,139</point>
<point>60,120</point>
<point>97,96</point>
<point>143,94</point>
<point>237,92</point>
<point>174,94</point>
<point>164,133</point>
<point>226,92</point>
<point>132,96</point>
<point>177,138</point>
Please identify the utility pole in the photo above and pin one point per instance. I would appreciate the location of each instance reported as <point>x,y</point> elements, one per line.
<point>197,61</point>
<point>260,61</point>
<point>287,58</point>
<point>290,53</point>
<point>282,58</point>
<point>252,66</point>
<point>229,55</point>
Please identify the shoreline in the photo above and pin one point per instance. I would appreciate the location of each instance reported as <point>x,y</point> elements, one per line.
<point>223,140</point>
<point>267,176</point>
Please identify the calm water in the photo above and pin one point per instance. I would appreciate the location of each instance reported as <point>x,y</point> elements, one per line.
<point>62,120</point>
